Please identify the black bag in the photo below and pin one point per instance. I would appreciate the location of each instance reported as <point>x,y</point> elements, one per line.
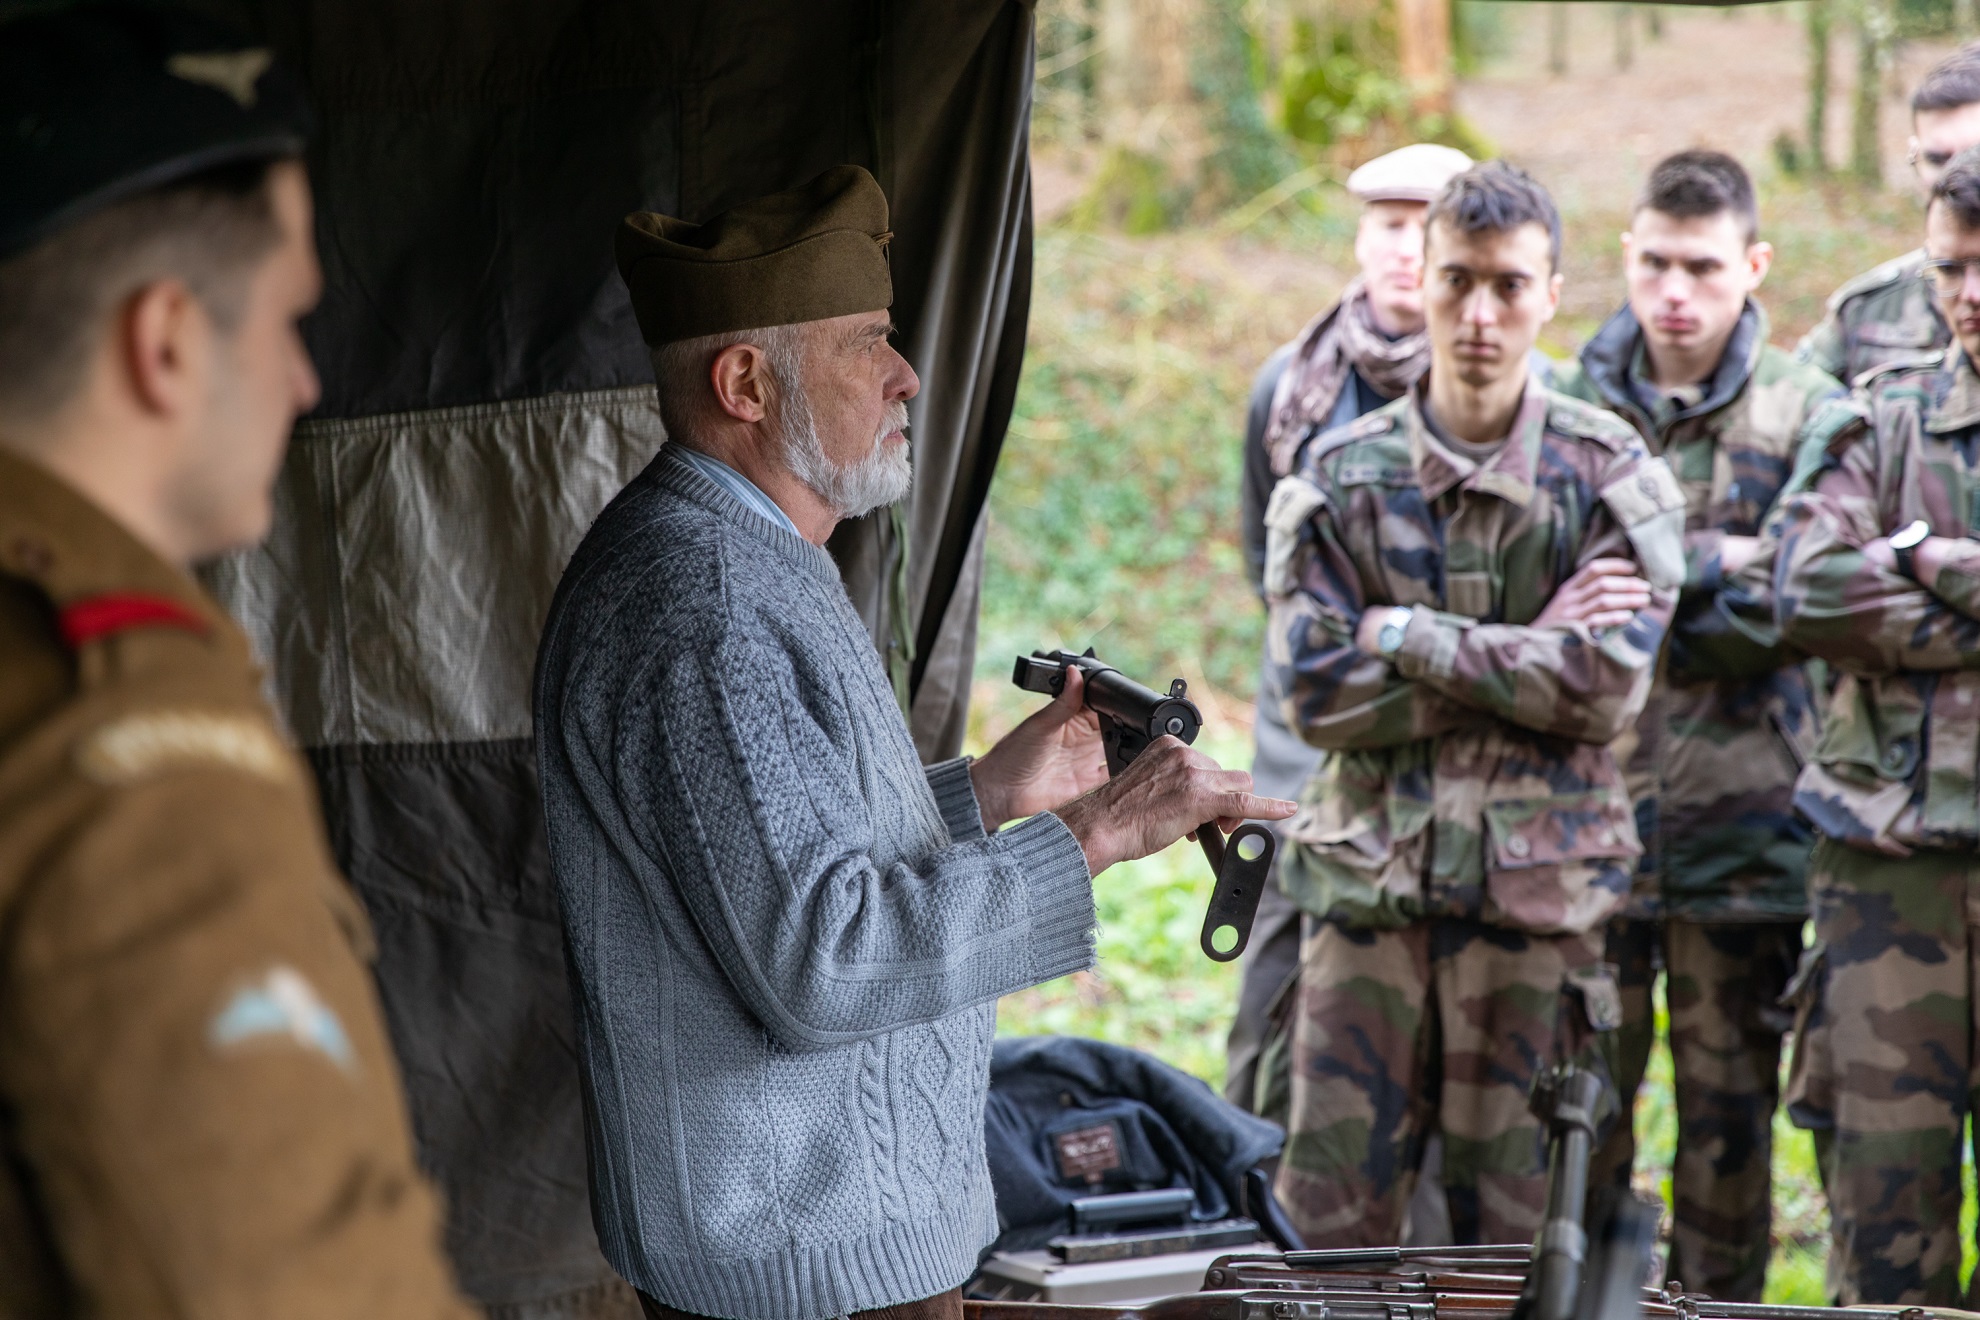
<point>1069,1118</point>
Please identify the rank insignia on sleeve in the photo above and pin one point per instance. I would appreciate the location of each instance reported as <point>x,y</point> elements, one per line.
<point>282,1005</point>
<point>141,745</point>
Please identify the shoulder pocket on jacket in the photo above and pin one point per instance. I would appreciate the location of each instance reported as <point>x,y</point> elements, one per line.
<point>1294,501</point>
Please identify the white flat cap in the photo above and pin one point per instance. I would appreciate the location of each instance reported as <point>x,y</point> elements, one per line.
<point>1415,173</point>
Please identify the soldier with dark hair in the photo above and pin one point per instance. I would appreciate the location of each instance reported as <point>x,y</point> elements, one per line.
<point>1885,314</point>
<point>1879,574</point>
<point>1351,359</point>
<point>199,1110</point>
<point>1718,899</point>
<point>1469,589</point>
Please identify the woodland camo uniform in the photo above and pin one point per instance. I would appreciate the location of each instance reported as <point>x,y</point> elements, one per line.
<point>1895,881</point>
<point>1468,831</point>
<point>1711,765</point>
<point>1884,315</point>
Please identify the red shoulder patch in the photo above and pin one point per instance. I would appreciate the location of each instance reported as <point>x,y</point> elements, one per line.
<point>84,621</point>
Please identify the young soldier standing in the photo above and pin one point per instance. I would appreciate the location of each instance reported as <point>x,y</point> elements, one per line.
<point>1885,314</point>
<point>1351,359</point>
<point>1469,588</point>
<point>1879,573</point>
<point>1711,766</point>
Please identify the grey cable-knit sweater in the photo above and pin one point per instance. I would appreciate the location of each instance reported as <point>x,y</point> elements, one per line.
<point>788,937</point>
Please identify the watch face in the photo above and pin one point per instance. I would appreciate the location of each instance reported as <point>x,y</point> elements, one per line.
<point>1907,538</point>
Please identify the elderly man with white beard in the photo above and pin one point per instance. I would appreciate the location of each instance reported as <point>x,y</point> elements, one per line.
<point>788,936</point>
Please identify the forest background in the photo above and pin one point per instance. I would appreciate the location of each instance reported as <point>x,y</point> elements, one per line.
<point>1187,159</point>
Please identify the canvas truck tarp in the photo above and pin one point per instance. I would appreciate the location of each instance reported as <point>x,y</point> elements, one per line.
<point>486,391</point>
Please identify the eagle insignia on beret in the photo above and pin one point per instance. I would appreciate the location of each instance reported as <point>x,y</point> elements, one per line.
<point>234,72</point>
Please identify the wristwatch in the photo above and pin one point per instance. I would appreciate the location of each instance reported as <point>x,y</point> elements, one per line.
<point>1389,639</point>
<point>1904,541</point>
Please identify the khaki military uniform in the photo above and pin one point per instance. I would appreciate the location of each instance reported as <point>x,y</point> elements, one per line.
<point>1467,832</point>
<point>1887,1060</point>
<point>199,1113</point>
<point>1883,316</point>
<point>1719,897</point>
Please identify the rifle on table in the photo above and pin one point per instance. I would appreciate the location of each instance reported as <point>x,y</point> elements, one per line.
<point>1509,1281</point>
<point>1133,716</point>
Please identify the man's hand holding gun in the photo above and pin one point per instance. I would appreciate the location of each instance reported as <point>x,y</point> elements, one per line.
<point>1054,761</point>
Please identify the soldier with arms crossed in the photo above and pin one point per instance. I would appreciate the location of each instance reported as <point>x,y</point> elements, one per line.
<point>1469,588</point>
<point>199,1112</point>
<point>1879,574</point>
<point>1351,359</point>
<point>1718,899</point>
<point>1885,314</point>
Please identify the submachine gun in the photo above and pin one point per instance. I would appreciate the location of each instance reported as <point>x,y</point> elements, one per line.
<point>1131,717</point>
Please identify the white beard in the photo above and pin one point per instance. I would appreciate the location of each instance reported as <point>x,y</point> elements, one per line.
<point>883,477</point>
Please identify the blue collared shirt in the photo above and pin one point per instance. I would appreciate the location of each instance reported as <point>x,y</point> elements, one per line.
<point>739,486</point>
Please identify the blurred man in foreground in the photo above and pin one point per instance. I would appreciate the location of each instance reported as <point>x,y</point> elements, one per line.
<point>199,1112</point>
<point>1886,314</point>
<point>1879,574</point>
<point>789,936</point>
<point>1469,588</point>
<point>1351,359</point>
<point>1718,900</point>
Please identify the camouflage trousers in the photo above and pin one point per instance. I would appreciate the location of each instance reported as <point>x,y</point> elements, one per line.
<point>1439,1026</point>
<point>1724,983</point>
<point>1896,1068</point>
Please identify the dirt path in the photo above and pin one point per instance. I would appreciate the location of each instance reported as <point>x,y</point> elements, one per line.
<point>1734,79</point>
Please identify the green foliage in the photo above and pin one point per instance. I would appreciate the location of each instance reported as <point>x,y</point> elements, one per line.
<point>1224,73</point>
<point>1926,18</point>
<point>1064,89</point>
<point>1479,32</point>
<point>1130,192</point>
<point>1114,506</point>
<point>1335,86</point>
<point>1338,85</point>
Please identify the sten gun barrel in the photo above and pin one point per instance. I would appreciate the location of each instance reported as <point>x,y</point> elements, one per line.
<point>1133,716</point>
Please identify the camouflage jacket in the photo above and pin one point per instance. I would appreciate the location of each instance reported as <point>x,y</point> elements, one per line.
<point>1470,775</point>
<point>1712,761</point>
<point>1882,316</point>
<point>1899,757</point>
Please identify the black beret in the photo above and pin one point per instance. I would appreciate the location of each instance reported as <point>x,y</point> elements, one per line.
<point>817,251</point>
<point>100,102</point>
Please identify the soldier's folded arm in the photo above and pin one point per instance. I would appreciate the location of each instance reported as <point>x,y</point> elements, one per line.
<point>190,1046</point>
<point>1337,696</point>
<point>1834,601</point>
<point>1571,681</point>
<point>1725,624</point>
<point>823,945</point>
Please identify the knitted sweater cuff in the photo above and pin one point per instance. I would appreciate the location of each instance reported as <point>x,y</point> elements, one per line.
<point>956,796</point>
<point>1061,894</point>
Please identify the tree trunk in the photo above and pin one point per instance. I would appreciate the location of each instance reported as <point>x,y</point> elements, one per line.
<point>1423,40</point>
<point>1557,38</point>
<point>1625,50</point>
<point>1874,23</point>
<point>1820,13</point>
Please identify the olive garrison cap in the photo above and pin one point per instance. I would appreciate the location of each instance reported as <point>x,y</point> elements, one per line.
<point>100,102</point>
<point>817,251</point>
